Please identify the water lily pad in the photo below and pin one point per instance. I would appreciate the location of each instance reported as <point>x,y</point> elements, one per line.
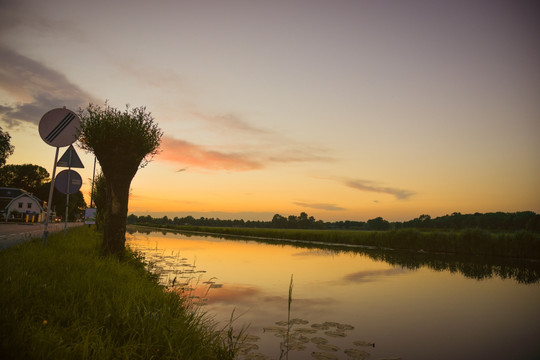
<point>319,340</point>
<point>336,334</point>
<point>251,338</point>
<point>331,323</point>
<point>299,322</point>
<point>305,331</point>
<point>320,326</point>
<point>345,327</point>
<point>296,346</point>
<point>282,323</point>
<point>324,356</point>
<point>357,354</point>
<point>363,343</point>
<point>328,347</point>
<point>300,338</point>
<point>278,331</point>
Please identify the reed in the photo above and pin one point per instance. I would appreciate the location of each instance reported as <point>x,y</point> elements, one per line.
<point>66,301</point>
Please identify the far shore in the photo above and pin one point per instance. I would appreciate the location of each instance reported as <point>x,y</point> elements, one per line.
<point>518,244</point>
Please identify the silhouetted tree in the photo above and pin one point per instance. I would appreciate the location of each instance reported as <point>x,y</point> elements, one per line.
<point>378,224</point>
<point>6,149</point>
<point>279,221</point>
<point>123,142</point>
<point>99,197</point>
<point>28,177</point>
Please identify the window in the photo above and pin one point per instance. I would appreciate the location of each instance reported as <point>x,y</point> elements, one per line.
<point>29,205</point>
<point>20,205</point>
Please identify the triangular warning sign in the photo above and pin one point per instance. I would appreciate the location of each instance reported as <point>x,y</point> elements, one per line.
<point>70,159</point>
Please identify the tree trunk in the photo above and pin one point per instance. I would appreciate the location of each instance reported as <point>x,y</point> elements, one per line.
<point>114,229</point>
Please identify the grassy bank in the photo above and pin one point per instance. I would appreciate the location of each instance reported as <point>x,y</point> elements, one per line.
<point>65,301</point>
<point>519,244</point>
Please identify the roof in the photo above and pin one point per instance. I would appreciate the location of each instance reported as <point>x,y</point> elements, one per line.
<point>8,195</point>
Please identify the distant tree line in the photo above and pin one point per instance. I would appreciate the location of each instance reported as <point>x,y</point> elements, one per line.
<point>499,221</point>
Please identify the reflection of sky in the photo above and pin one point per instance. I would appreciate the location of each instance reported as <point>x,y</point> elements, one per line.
<point>413,314</point>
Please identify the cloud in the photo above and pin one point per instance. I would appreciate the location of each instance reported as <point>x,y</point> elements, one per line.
<point>36,87</point>
<point>229,121</point>
<point>366,185</point>
<point>301,153</point>
<point>320,206</point>
<point>267,145</point>
<point>187,153</point>
<point>371,275</point>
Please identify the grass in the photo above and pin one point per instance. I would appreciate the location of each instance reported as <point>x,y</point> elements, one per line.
<point>66,301</point>
<point>519,244</point>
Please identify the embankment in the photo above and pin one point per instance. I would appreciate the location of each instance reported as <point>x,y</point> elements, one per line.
<point>66,301</point>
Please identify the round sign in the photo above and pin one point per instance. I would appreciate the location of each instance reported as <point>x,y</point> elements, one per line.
<point>68,182</point>
<point>58,127</point>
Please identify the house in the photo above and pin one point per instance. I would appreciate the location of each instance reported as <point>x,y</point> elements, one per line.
<point>17,204</point>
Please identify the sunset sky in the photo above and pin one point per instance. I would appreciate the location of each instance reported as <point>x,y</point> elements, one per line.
<point>341,109</point>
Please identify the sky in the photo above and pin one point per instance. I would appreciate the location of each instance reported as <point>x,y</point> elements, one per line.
<point>345,110</point>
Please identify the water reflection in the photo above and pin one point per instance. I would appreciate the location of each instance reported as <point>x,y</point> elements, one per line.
<point>394,299</point>
<point>471,266</point>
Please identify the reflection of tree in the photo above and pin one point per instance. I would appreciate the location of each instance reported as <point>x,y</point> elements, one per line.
<point>475,267</point>
<point>470,266</point>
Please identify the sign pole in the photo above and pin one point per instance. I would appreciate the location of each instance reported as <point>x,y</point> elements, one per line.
<point>93,177</point>
<point>67,193</point>
<point>49,204</point>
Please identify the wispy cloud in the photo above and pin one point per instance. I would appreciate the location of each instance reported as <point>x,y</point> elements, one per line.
<point>187,153</point>
<point>371,186</point>
<point>301,153</point>
<point>229,121</point>
<point>320,206</point>
<point>36,87</point>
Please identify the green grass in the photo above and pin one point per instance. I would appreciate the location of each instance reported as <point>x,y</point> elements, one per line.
<point>519,244</point>
<point>65,301</point>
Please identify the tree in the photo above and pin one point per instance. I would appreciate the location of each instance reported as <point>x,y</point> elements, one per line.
<point>378,224</point>
<point>123,142</point>
<point>6,149</point>
<point>279,221</point>
<point>28,177</point>
<point>99,197</point>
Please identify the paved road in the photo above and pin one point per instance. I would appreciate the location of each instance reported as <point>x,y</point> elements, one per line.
<point>17,233</point>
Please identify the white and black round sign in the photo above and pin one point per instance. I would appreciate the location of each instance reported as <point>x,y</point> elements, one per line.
<point>68,176</point>
<point>58,127</point>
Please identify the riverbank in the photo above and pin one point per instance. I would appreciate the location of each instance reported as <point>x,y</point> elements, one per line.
<point>519,244</point>
<point>66,301</point>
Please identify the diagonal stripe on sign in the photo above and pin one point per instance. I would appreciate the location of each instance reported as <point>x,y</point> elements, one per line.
<point>60,127</point>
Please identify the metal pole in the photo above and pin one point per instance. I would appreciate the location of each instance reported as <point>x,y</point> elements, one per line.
<point>49,204</point>
<point>93,176</point>
<point>67,190</point>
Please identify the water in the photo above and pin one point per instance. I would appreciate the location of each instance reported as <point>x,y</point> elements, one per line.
<point>410,305</point>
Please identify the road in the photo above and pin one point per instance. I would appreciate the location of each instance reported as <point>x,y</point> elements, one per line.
<point>17,233</point>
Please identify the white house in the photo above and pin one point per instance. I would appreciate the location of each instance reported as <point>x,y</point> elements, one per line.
<point>17,204</point>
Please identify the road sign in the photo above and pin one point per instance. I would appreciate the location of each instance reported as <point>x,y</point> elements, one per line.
<point>70,159</point>
<point>58,127</point>
<point>90,216</point>
<point>68,176</point>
